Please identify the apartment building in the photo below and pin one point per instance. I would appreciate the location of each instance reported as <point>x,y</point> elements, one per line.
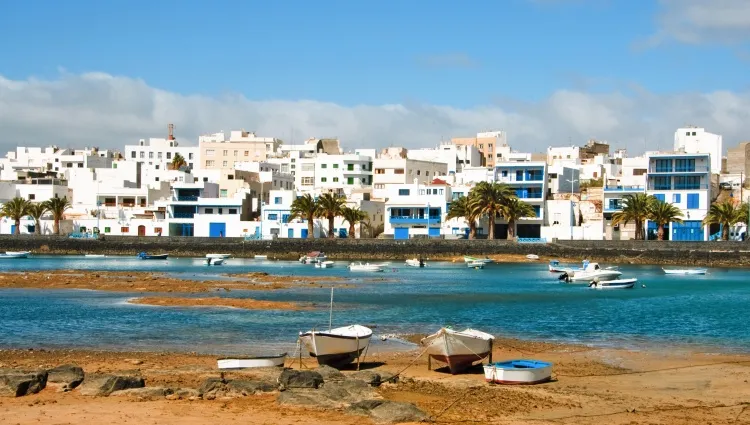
<point>416,209</point>
<point>157,153</point>
<point>400,171</point>
<point>529,181</point>
<point>693,139</point>
<point>217,151</point>
<point>486,143</point>
<point>455,157</point>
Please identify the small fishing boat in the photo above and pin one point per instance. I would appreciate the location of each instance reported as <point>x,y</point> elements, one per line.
<point>95,256</point>
<point>518,372</point>
<point>590,272</point>
<point>337,347</point>
<point>144,256</point>
<point>614,284</point>
<point>252,362</point>
<point>324,265</point>
<point>261,257</point>
<point>215,261</point>
<point>15,254</point>
<point>532,257</point>
<point>415,262</point>
<point>366,267</point>
<point>222,256</point>
<point>485,260</point>
<point>458,349</point>
<point>685,271</point>
<point>476,265</point>
<point>313,257</point>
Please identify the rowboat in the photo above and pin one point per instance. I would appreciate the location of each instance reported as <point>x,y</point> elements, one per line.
<point>485,260</point>
<point>15,254</point>
<point>614,284</point>
<point>518,372</point>
<point>415,262</point>
<point>324,265</point>
<point>261,257</point>
<point>337,346</point>
<point>458,349</point>
<point>222,256</point>
<point>251,362</point>
<point>685,271</point>
<point>475,265</point>
<point>366,267</point>
<point>144,256</point>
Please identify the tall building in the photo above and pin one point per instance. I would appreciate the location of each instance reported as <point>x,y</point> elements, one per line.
<point>693,139</point>
<point>487,144</point>
<point>219,152</point>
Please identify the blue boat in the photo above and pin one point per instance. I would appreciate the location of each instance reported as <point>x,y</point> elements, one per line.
<point>518,372</point>
<point>144,256</point>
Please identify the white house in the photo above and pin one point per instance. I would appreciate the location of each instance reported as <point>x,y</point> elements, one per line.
<point>529,181</point>
<point>416,209</point>
<point>697,140</point>
<point>400,171</point>
<point>157,153</point>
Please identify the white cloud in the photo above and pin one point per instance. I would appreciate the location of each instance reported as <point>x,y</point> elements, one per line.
<point>703,21</point>
<point>107,111</point>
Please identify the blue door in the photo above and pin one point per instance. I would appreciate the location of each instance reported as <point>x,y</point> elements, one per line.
<point>217,230</point>
<point>342,233</point>
<point>290,233</point>
<point>303,233</point>
<point>187,229</point>
<point>401,233</point>
<point>12,229</point>
<point>434,232</point>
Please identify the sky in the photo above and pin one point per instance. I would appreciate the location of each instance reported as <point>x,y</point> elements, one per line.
<point>374,73</point>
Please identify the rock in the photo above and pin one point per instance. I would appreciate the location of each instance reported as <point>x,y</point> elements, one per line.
<point>368,376</point>
<point>186,393</point>
<point>66,377</point>
<point>250,387</point>
<point>290,378</point>
<point>17,383</point>
<point>104,385</point>
<point>307,397</point>
<point>145,393</point>
<point>348,391</point>
<point>211,385</point>
<point>386,411</point>
<point>330,374</point>
<point>388,378</point>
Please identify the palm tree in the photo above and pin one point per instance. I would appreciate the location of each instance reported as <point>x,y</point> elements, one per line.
<point>460,208</point>
<point>489,199</point>
<point>57,206</point>
<point>636,208</point>
<point>15,209</point>
<point>513,210</point>
<point>330,206</point>
<point>178,162</point>
<point>305,208</point>
<point>726,214</point>
<point>36,211</point>
<point>353,216</point>
<point>663,213</point>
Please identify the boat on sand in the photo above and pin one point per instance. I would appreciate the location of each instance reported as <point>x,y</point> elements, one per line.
<point>252,362</point>
<point>518,372</point>
<point>458,349</point>
<point>337,347</point>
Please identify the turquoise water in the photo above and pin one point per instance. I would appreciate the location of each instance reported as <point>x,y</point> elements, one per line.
<point>514,300</point>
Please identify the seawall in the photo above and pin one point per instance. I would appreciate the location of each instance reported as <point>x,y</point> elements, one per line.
<point>711,254</point>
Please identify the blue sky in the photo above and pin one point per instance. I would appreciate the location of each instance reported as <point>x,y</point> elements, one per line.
<point>510,54</point>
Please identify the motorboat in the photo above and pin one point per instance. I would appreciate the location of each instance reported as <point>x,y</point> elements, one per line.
<point>590,272</point>
<point>532,257</point>
<point>518,372</point>
<point>261,257</point>
<point>485,260</point>
<point>685,271</point>
<point>15,254</point>
<point>252,362</point>
<point>313,257</point>
<point>215,261</point>
<point>613,284</point>
<point>366,267</point>
<point>556,267</point>
<point>144,256</point>
<point>337,347</point>
<point>476,265</point>
<point>415,262</point>
<point>220,256</point>
<point>458,349</point>
<point>95,256</point>
<point>324,265</point>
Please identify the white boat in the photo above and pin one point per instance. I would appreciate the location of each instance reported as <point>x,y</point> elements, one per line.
<point>458,349</point>
<point>261,257</point>
<point>590,272</point>
<point>215,261</point>
<point>16,254</point>
<point>366,267</point>
<point>251,362</point>
<point>313,257</point>
<point>518,372</point>
<point>485,260</point>
<point>221,256</point>
<point>556,267</point>
<point>415,262</point>
<point>613,284</point>
<point>95,256</point>
<point>685,271</point>
<point>532,257</point>
<point>475,265</point>
<point>337,347</point>
<point>324,265</point>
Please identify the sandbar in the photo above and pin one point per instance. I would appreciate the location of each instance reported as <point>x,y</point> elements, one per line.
<point>243,303</point>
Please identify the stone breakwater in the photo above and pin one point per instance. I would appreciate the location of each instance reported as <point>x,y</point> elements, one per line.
<point>711,254</point>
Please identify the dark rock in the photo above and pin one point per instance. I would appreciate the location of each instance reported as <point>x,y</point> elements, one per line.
<point>250,387</point>
<point>387,377</point>
<point>66,376</point>
<point>211,385</point>
<point>145,393</point>
<point>368,376</point>
<point>330,374</point>
<point>291,378</point>
<point>348,391</point>
<point>185,393</point>
<point>332,395</point>
<point>17,383</point>
<point>104,385</point>
<point>396,412</point>
<point>364,407</point>
<point>307,397</point>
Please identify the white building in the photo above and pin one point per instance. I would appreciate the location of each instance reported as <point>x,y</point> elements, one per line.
<point>697,140</point>
<point>563,179</point>
<point>157,153</point>
<point>400,171</point>
<point>455,157</point>
<point>529,181</point>
<point>564,155</point>
<point>416,209</point>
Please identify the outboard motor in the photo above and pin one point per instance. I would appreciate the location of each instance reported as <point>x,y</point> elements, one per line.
<point>563,276</point>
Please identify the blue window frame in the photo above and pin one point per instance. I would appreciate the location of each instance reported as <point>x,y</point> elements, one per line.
<point>277,200</point>
<point>693,201</point>
<point>519,175</point>
<point>285,218</point>
<point>663,165</point>
<point>505,173</point>
<point>273,216</point>
<point>659,196</point>
<point>537,210</point>
<point>403,192</point>
<point>662,183</point>
<point>676,198</point>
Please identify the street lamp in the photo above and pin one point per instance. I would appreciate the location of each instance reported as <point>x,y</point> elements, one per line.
<point>572,213</point>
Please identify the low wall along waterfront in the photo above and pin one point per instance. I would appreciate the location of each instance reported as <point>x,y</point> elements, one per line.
<point>731,254</point>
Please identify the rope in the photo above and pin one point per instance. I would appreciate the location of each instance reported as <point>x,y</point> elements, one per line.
<point>453,403</point>
<point>407,366</point>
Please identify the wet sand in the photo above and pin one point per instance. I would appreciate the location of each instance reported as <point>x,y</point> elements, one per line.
<point>590,386</point>
<point>243,303</point>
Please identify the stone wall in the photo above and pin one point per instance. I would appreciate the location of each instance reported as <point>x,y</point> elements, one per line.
<point>620,252</point>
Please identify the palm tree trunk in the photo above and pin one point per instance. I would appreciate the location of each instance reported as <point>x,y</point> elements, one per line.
<point>472,230</point>
<point>38,227</point>
<point>351,231</point>
<point>18,227</point>
<point>660,232</point>
<point>310,229</point>
<point>638,230</point>
<point>330,227</point>
<point>511,230</point>
<point>491,232</point>
<point>56,226</point>
<point>724,232</point>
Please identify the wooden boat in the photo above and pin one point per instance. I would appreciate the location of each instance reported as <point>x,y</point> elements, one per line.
<point>337,347</point>
<point>518,372</point>
<point>324,265</point>
<point>222,256</point>
<point>251,362</point>
<point>476,265</point>
<point>532,257</point>
<point>485,260</point>
<point>144,256</point>
<point>686,271</point>
<point>415,262</point>
<point>614,284</point>
<point>215,261</point>
<point>366,267</point>
<point>590,272</point>
<point>15,254</point>
<point>458,349</point>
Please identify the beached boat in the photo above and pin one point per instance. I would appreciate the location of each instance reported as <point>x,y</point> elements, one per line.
<point>144,256</point>
<point>532,257</point>
<point>94,255</point>
<point>366,267</point>
<point>222,256</point>
<point>313,257</point>
<point>15,254</point>
<point>485,260</point>
<point>337,347</point>
<point>458,349</point>
<point>590,272</point>
<point>415,262</point>
<point>215,261</point>
<point>324,265</point>
<point>614,284</point>
<point>685,271</point>
<point>518,372</point>
<point>251,362</point>
<point>475,265</point>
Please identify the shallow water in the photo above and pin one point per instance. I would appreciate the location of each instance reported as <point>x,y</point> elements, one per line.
<point>514,300</point>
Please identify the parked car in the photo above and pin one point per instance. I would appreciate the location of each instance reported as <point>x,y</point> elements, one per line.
<point>725,186</point>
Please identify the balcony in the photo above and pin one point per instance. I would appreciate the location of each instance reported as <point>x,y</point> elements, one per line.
<point>188,198</point>
<point>397,219</point>
<point>624,188</point>
<point>183,215</point>
<point>670,169</point>
<point>678,187</point>
<point>514,179</point>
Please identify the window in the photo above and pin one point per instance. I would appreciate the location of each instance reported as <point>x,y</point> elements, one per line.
<point>350,167</point>
<point>223,193</point>
<point>230,177</point>
<point>190,165</point>
<point>350,180</point>
<point>323,179</point>
<point>169,155</point>
<point>210,152</point>
<point>676,198</point>
<point>156,179</point>
<point>335,165</point>
<point>379,186</point>
<point>379,171</point>
<point>273,216</point>
<point>398,171</point>
<point>143,155</point>
<point>693,133</point>
<point>659,197</point>
<point>335,179</point>
<point>419,172</point>
<point>157,167</point>
<point>150,155</point>
<point>223,163</point>
<point>687,133</point>
<point>693,201</point>
<point>403,192</point>
<point>307,181</point>
<point>225,152</point>
<point>323,165</point>
<point>190,156</point>
<point>32,196</point>
<point>107,230</point>
<point>157,230</point>
<point>277,200</point>
<point>208,211</point>
<point>205,179</point>
<point>308,167</point>
<point>209,163</point>
<point>132,155</point>
<point>235,154</point>
<point>220,211</point>
<point>247,153</point>
<point>124,229</point>
<point>233,211</point>
<point>158,155</point>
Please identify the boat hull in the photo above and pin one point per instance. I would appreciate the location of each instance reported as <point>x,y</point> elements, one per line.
<point>154,257</point>
<point>614,284</point>
<point>459,350</point>
<point>218,256</point>
<point>252,362</point>
<point>332,349</point>
<point>518,372</point>
<point>686,272</point>
<point>582,277</point>
<point>415,263</point>
<point>16,254</point>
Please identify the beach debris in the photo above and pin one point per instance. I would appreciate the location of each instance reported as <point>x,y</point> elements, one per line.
<point>104,385</point>
<point>65,377</point>
<point>18,383</point>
